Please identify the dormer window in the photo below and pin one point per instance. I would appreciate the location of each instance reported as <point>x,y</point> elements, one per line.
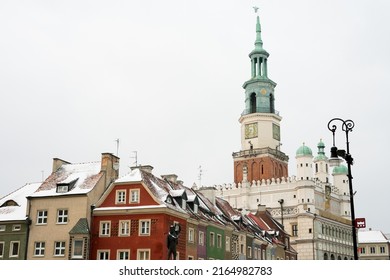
<point>65,187</point>
<point>169,200</point>
<point>62,188</point>
<point>196,208</point>
<point>9,203</point>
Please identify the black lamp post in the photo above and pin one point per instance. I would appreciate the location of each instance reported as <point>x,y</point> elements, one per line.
<point>347,126</point>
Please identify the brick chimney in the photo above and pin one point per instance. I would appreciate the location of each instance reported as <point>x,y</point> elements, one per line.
<point>110,166</point>
<point>57,163</point>
<point>261,208</point>
<point>146,168</point>
<point>170,177</point>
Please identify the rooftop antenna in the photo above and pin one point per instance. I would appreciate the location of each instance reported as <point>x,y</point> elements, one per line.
<point>200,175</point>
<point>135,157</point>
<point>117,146</point>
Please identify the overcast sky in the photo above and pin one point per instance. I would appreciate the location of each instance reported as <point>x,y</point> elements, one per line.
<point>165,77</point>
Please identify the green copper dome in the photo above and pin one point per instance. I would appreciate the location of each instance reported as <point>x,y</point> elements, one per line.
<point>338,170</point>
<point>304,151</point>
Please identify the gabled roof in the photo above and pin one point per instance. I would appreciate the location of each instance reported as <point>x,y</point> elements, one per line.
<point>82,176</point>
<point>18,203</point>
<point>372,236</point>
<point>81,227</point>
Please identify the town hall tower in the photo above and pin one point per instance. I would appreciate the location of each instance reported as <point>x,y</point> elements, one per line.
<point>260,156</point>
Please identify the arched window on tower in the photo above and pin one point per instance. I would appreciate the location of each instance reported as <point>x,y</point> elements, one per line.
<point>253,103</point>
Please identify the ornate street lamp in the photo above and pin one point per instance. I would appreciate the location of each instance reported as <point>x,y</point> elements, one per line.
<point>334,160</point>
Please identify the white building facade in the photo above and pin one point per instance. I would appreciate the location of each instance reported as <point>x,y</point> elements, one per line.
<point>314,211</point>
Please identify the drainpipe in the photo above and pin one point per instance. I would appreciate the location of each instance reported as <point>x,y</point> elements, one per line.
<point>281,201</point>
<point>28,224</point>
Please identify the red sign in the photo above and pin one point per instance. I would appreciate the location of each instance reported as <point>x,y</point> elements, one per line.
<point>360,222</point>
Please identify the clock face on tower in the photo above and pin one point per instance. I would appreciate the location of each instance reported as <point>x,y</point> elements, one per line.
<point>250,130</point>
<point>276,131</point>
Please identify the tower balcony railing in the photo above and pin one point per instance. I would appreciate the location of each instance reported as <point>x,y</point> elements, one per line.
<point>259,110</point>
<point>259,151</point>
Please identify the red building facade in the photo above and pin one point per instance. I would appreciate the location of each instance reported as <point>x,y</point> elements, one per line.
<point>132,222</point>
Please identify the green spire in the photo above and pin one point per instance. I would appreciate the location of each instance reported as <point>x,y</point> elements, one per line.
<point>258,42</point>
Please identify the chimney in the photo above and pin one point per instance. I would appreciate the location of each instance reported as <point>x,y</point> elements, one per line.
<point>261,208</point>
<point>209,193</point>
<point>57,163</point>
<point>170,177</point>
<point>110,165</point>
<point>146,168</point>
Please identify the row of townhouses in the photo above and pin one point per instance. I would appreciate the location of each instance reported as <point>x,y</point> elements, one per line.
<point>84,211</point>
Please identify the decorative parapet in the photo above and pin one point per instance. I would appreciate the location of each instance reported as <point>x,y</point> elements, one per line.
<point>255,152</point>
<point>277,212</point>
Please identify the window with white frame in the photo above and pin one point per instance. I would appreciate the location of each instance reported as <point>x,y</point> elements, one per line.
<point>227,244</point>
<point>363,250</point>
<point>120,196</point>
<point>2,227</point>
<point>191,233</point>
<point>144,227</point>
<point>249,251</point>
<point>105,228</point>
<point>103,254</point>
<point>16,227</point>
<point>134,196</point>
<point>201,238</point>
<point>62,216</point>
<point>123,255</point>
<point>124,228</point>
<point>196,207</point>
<point>183,203</point>
<point>143,254</point>
<point>77,250</point>
<point>59,248</point>
<point>14,249</point>
<point>382,249</point>
<point>39,249</point>
<point>42,217</point>
<point>1,250</point>
<point>219,241</point>
<point>372,250</point>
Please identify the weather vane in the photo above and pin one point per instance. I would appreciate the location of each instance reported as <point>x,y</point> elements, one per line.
<point>255,8</point>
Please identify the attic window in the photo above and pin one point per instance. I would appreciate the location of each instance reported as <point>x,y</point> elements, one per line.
<point>196,208</point>
<point>65,187</point>
<point>9,203</point>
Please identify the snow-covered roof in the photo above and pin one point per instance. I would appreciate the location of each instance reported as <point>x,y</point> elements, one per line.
<point>18,211</point>
<point>84,175</point>
<point>133,176</point>
<point>372,236</point>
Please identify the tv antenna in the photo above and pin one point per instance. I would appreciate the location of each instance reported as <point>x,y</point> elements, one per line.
<point>117,146</point>
<point>135,157</point>
<point>200,175</point>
